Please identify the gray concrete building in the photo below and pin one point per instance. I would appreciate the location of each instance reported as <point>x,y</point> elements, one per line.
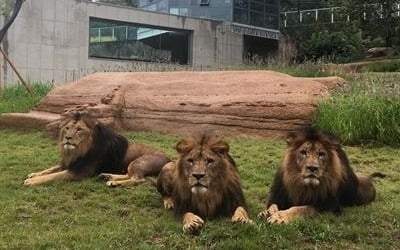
<point>62,40</point>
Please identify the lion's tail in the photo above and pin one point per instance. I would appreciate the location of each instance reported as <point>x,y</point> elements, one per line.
<point>377,174</point>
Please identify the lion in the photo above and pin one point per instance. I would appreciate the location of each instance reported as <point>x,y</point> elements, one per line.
<point>88,148</point>
<point>315,176</point>
<point>203,183</point>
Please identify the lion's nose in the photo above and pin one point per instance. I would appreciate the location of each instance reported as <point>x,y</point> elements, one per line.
<point>68,137</point>
<point>312,168</point>
<point>198,176</point>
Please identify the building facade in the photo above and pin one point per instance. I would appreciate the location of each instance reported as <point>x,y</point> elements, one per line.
<point>62,40</point>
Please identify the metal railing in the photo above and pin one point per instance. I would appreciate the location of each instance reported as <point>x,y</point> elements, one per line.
<point>323,15</point>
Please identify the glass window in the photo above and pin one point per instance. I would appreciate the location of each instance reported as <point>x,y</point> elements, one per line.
<point>257,5</point>
<point>240,15</point>
<point>257,18</point>
<point>128,41</point>
<point>244,4</point>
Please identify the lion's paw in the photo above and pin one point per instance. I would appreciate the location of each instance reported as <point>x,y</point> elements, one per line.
<point>192,223</point>
<point>240,216</point>
<point>168,203</point>
<point>104,176</point>
<point>30,182</point>
<point>280,217</point>
<point>112,183</point>
<point>268,212</point>
<point>31,175</point>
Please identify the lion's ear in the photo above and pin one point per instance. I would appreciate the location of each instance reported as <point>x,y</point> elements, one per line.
<point>184,146</point>
<point>220,147</point>
<point>331,139</point>
<point>293,137</point>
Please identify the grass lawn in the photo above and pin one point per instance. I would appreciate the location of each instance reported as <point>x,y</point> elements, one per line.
<point>89,215</point>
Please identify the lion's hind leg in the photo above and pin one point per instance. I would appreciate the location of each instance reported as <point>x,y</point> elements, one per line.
<point>113,177</point>
<point>366,191</point>
<point>147,165</point>
<point>129,181</point>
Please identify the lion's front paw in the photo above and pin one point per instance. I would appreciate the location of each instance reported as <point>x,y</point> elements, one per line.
<point>192,223</point>
<point>168,203</point>
<point>112,183</point>
<point>268,212</point>
<point>31,175</point>
<point>281,217</point>
<point>104,176</point>
<point>30,182</point>
<point>240,216</point>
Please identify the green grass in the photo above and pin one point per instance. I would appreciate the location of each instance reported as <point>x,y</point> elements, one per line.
<point>367,110</point>
<point>16,98</point>
<point>383,66</point>
<point>88,215</point>
<point>307,69</point>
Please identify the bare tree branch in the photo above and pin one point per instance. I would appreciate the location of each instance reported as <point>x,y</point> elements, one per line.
<point>16,9</point>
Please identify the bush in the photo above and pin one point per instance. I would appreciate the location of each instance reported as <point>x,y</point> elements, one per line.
<point>370,112</point>
<point>339,46</point>
<point>16,99</point>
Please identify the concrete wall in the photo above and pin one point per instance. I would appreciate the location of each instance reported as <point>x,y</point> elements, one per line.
<point>49,40</point>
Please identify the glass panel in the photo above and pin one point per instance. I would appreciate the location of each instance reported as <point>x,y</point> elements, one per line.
<point>257,18</point>
<point>240,16</point>
<point>119,40</point>
<point>257,5</point>
<point>241,4</point>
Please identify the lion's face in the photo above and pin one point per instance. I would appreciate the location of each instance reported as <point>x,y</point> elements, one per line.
<point>312,161</point>
<point>76,137</point>
<point>202,164</point>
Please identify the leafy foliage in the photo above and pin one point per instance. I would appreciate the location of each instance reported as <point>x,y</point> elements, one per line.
<point>337,46</point>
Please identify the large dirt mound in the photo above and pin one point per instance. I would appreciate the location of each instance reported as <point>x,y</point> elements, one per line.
<point>261,103</point>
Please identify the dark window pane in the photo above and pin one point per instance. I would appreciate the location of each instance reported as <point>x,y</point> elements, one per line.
<point>257,18</point>
<point>119,40</point>
<point>241,4</point>
<point>258,6</point>
<point>240,16</point>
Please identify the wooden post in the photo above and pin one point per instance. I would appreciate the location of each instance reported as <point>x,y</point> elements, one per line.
<point>28,88</point>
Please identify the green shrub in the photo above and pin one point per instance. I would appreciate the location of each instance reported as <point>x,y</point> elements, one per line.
<point>338,46</point>
<point>17,99</point>
<point>370,112</point>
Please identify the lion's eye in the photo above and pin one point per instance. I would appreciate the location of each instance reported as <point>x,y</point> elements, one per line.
<point>191,161</point>
<point>67,128</point>
<point>210,161</point>
<point>321,154</point>
<point>303,152</point>
<point>78,129</point>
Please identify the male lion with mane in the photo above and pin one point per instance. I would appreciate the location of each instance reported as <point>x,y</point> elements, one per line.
<point>315,176</point>
<point>89,148</point>
<point>203,183</point>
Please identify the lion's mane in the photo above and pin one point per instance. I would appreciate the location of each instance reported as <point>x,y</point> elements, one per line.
<point>224,194</point>
<point>338,185</point>
<point>102,151</point>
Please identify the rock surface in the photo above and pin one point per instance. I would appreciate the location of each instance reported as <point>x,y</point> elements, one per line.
<point>256,103</point>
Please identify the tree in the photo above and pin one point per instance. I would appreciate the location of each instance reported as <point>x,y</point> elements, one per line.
<point>377,18</point>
